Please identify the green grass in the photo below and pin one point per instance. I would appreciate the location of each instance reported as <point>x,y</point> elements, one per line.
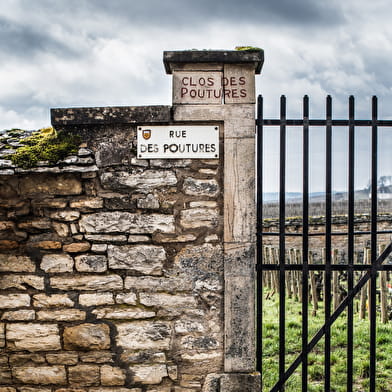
<point>316,356</point>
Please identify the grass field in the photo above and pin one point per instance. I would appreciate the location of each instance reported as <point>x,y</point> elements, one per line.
<point>316,357</point>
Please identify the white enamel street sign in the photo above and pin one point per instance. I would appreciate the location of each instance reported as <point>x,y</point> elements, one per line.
<point>178,141</point>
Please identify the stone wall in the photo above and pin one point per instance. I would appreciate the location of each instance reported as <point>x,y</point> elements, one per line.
<point>111,267</point>
<point>120,274</point>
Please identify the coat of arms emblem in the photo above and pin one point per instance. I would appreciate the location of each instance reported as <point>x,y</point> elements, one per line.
<point>146,133</point>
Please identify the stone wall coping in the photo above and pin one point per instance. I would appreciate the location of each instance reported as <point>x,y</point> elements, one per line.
<point>253,56</point>
<point>110,115</point>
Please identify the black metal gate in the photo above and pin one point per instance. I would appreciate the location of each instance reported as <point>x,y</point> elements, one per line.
<point>350,268</point>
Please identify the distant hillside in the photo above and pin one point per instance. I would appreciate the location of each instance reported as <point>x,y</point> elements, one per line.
<point>269,197</point>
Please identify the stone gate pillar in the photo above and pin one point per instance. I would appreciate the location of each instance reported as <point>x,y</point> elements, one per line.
<point>219,86</point>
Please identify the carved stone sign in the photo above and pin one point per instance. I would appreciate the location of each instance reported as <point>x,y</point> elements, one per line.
<point>178,141</point>
<point>211,87</point>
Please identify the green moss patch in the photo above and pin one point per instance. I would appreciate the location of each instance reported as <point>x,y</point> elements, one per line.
<point>45,145</point>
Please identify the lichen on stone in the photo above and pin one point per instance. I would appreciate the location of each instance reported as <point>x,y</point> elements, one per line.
<point>250,48</point>
<point>45,144</point>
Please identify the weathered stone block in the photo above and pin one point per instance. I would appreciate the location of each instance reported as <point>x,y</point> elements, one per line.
<point>239,184</point>
<point>138,357</point>
<point>7,225</point>
<point>61,229</point>
<point>206,92</point>
<point>96,299</point>
<point>167,238</point>
<point>11,263</point>
<point>185,327</point>
<point>200,343</point>
<point>39,224</point>
<point>202,363</point>
<point>65,215</point>
<point>2,335</point>
<point>62,184</point>
<point>49,203</point>
<point>170,163</point>
<point>168,300</point>
<point>40,375</point>
<point>239,324</point>
<point>146,259</point>
<point>199,217</point>
<point>244,90</point>
<point>144,335</point>
<point>32,337</point>
<point>126,298</point>
<point>99,248</point>
<point>106,389</point>
<point>19,315</point>
<point>5,375</point>
<point>197,187</point>
<point>203,204</point>
<point>57,263</point>
<point>91,283</point>
<point>167,389</point>
<point>150,283</point>
<point>61,315</point>
<point>62,358</point>
<point>148,374</point>
<point>150,202</point>
<point>54,300</point>
<point>11,301</point>
<point>240,382</point>
<point>90,202</point>
<point>111,375</point>
<point>203,264</point>
<point>97,357</point>
<point>144,181</point>
<point>83,375</point>
<point>45,244</point>
<point>116,201</point>
<point>22,282</point>
<point>91,263</point>
<point>106,238</point>
<point>26,360</point>
<point>138,238</point>
<point>77,247</point>
<point>172,371</point>
<point>67,390</point>
<point>8,245</point>
<point>87,337</point>
<point>123,313</point>
<point>118,221</point>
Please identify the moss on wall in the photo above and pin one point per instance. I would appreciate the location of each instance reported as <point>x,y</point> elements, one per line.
<point>45,145</point>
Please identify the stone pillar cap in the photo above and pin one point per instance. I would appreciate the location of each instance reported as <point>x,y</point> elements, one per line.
<point>250,56</point>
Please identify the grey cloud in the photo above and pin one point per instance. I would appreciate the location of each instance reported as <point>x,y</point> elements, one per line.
<point>182,14</point>
<point>22,40</point>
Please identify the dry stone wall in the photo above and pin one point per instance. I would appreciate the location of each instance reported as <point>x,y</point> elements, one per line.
<point>111,267</point>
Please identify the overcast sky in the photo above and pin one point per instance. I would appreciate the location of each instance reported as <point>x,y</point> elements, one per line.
<point>67,53</point>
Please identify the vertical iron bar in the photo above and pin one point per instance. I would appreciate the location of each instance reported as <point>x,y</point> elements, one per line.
<point>282,244</point>
<point>259,225</point>
<point>305,243</point>
<point>373,241</point>
<point>328,243</point>
<point>350,272</point>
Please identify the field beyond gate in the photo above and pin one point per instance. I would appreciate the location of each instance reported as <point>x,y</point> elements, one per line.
<point>316,356</point>
<point>312,334</point>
